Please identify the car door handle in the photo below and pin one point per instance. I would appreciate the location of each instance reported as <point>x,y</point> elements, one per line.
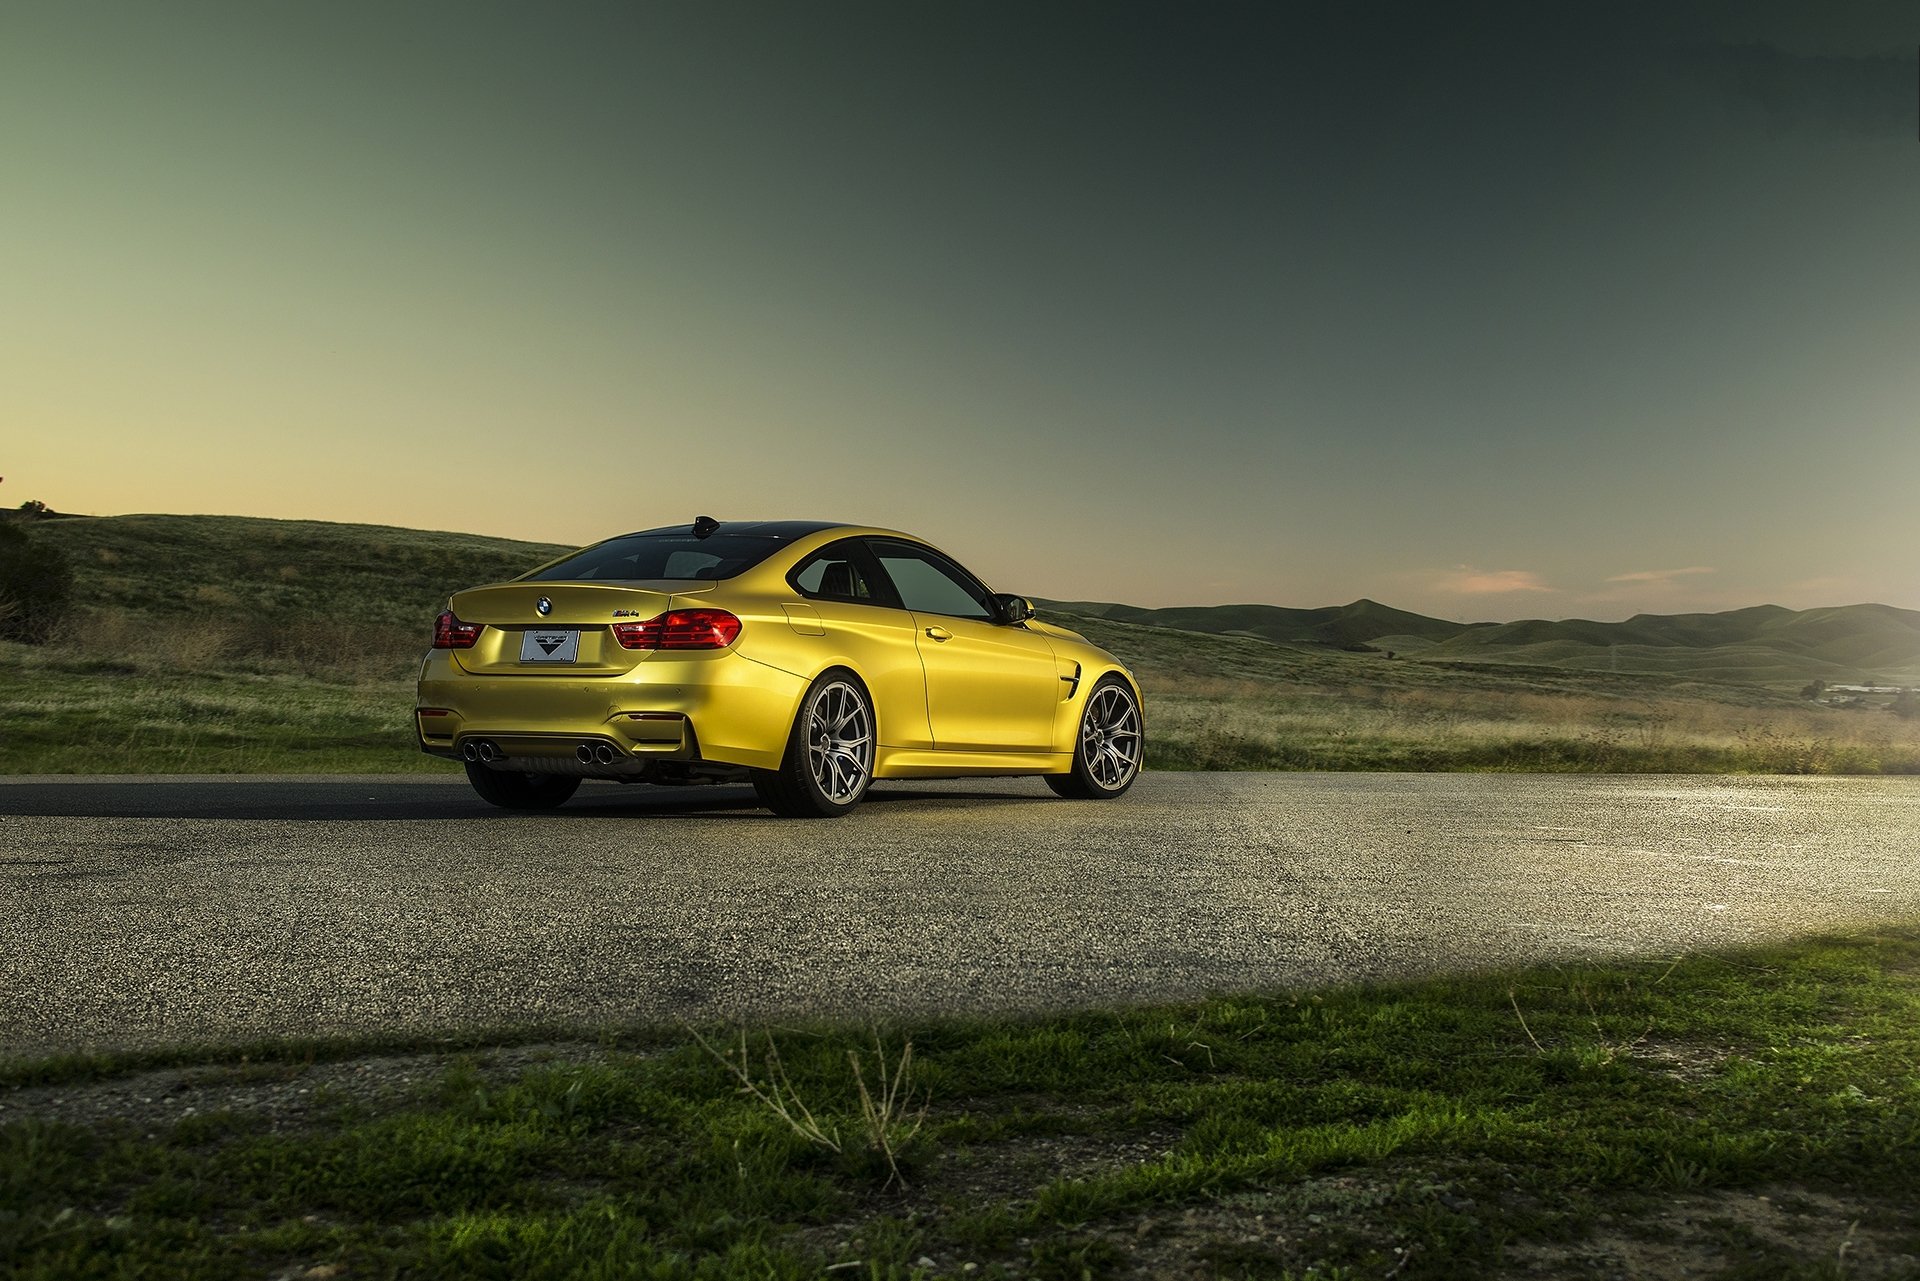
<point>939,633</point>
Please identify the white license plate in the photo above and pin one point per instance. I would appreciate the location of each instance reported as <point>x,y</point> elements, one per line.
<point>550,647</point>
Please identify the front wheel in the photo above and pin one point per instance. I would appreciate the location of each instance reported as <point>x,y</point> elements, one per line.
<point>829,759</point>
<point>1106,757</point>
<point>512,790</point>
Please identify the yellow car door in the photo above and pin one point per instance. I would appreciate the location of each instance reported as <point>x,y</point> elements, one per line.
<point>991,686</point>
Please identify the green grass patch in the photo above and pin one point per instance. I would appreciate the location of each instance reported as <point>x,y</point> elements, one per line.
<point>1750,1114</point>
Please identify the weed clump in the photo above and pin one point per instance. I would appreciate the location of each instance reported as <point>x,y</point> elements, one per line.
<point>879,1137</point>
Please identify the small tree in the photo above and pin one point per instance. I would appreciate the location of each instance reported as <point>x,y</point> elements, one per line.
<point>1906,704</point>
<point>35,584</point>
<point>1813,690</point>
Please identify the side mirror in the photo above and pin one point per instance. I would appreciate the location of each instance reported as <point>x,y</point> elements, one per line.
<point>1012,609</point>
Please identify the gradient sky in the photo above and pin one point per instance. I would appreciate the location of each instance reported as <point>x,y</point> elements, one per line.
<point>1487,311</point>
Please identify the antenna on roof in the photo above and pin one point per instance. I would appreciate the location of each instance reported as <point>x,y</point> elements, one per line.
<point>704,525</point>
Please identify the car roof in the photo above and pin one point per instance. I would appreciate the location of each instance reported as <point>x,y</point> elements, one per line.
<point>784,530</point>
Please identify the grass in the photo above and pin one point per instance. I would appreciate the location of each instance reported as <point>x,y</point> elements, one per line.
<point>1223,702</point>
<point>175,699</point>
<point>1561,1119</point>
<point>238,570</point>
<point>223,644</point>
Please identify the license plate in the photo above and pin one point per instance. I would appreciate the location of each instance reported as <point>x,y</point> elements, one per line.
<point>550,647</point>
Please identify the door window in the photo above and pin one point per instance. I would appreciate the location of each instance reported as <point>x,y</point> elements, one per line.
<point>929,583</point>
<point>842,571</point>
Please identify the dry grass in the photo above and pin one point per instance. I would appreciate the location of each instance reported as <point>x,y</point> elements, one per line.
<point>236,691</point>
<point>1224,724</point>
<point>131,695</point>
<point>888,1121</point>
<point>321,647</point>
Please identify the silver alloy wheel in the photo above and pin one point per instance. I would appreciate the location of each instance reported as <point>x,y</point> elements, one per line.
<point>840,742</point>
<point>1110,737</point>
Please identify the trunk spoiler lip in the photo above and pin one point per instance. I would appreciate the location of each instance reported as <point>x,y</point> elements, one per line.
<point>663,586</point>
<point>511,604</point>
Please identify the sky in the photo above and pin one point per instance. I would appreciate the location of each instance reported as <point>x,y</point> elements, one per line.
<point>1488,311</point>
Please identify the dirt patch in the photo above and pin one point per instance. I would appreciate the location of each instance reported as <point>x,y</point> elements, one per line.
<point>1003,1172</point>
<point>1685,1060</point>
<point>1704,1234</point>
<point>286,1095</point>
<point>1012,1171</point>
<point>1290,1229</point>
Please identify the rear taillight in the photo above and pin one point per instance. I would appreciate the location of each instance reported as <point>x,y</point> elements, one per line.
<point>450,633</point>
<point>680,629</point>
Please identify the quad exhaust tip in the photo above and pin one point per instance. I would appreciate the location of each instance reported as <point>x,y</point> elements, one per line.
<point>596,754</point>
<point>482,751</point>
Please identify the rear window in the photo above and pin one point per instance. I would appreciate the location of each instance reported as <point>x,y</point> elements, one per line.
<point>651,556</point>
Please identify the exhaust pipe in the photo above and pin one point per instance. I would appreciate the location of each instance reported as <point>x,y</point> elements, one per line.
<point>584,753</point>
<point>488,751</point>
<point>470,751</point>
<point>605,755</point>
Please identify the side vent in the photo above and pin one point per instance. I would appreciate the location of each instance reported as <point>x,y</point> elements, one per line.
<point>1072,683</point>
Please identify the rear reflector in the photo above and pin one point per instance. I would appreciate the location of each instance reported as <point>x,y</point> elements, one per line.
<point>450,633</point>
<point>432,711</point>
<point>680,629</point>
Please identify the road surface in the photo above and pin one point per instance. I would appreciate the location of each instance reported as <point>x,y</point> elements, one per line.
<point>139,911</point>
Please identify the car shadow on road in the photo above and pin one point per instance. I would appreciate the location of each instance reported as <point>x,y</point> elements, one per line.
<point>334,800</point>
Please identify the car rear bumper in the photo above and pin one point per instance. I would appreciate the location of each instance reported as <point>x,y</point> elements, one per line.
<point>730,711</point>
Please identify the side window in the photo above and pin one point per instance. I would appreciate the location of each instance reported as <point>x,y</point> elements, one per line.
<point>929,583</point>
<point>842,571</point>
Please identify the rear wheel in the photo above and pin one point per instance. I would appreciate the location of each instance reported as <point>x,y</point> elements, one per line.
<point>829,758</point>
<point>512,790</point>
<point>1106,757</point>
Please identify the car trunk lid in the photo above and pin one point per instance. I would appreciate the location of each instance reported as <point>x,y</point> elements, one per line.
<point>574,637</point>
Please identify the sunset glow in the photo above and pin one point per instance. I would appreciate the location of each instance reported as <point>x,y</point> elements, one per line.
<point>1485,313</point>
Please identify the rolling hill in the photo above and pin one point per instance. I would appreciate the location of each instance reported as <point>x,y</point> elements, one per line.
<point>226,644</point>
<point>186,566</point>
<point>1350,627</point>
<point>1764,644</point>
<point>383,576</point>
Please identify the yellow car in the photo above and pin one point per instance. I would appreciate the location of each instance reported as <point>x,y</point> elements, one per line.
<point>808,658</point>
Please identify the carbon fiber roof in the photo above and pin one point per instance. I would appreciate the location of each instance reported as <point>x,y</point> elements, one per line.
<point>784,530</point>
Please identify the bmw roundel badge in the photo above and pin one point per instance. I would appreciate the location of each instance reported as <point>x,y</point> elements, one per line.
<point>543,607</point>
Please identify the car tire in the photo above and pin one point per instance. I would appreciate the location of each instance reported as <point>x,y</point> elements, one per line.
<point>1109,746</point>
<point>512,790</point>
<point>828,763</point>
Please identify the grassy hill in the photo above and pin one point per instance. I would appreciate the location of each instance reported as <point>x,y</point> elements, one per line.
<point>241,568</point>
<point>1349,627</point>
<point>1766,644</point>
<point>213,644</point>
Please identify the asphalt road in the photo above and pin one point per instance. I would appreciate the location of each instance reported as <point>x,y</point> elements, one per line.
<point>157,910</point>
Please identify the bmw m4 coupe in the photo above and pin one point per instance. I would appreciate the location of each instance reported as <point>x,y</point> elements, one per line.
<point>806,658</point>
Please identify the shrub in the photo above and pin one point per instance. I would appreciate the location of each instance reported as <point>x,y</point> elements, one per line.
<point>35,584</point>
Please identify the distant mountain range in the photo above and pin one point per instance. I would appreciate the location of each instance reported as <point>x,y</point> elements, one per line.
<point>1766,644</point>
